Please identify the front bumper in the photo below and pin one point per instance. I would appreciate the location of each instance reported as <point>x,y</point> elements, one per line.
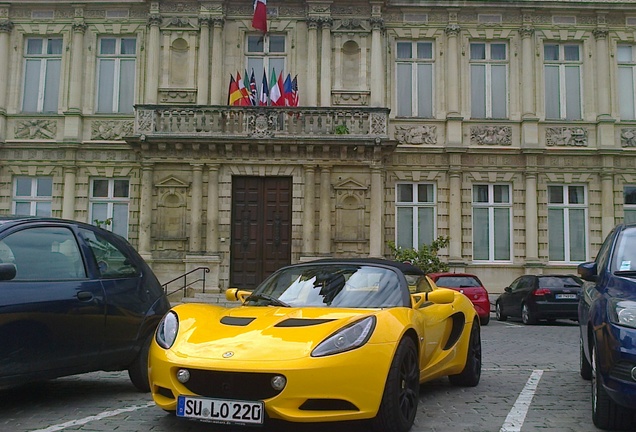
<point>617,363</point>
<point>345,386</point>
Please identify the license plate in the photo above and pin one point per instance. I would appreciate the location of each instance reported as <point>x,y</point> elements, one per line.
<point>565,296</point>
<point>225,411</point>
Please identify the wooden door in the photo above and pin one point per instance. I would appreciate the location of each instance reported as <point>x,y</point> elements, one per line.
<point>261,228</point>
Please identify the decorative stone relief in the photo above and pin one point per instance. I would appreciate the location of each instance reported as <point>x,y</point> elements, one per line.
<point>350,210</point>
<point>423,134</point>
<point>110,130</point>
<point>491,135</point>
<point>351,25</point>
<point>566,136</point>
<point>628,137</point>
<point>36,129</point>
<point>171,209</point>
<point>178,96</point>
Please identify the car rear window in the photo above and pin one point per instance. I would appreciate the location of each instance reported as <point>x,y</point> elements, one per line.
<point>457,282</point>
<point>558,282</point>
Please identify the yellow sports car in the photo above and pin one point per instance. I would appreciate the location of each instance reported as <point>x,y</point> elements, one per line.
<point>327,340</point>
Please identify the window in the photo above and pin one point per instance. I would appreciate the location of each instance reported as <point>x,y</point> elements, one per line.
<point>414,79</point>
<point>43,61</point>
<point>116,75</point>
<point>567,223</point>
<point>492,222</point>
<point>415,215</point>
<point>112,262</point>
<point>265,53</point>
<point>109,204</point>
<point>562,81</point>
<point>629,208</point>
<point>626,81</point>
<point>32,196</point>
<point>489,80</point>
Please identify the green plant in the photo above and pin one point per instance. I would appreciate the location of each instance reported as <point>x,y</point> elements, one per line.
<point>425,257</point>
<point>106,222</point>
<point>341,129</point>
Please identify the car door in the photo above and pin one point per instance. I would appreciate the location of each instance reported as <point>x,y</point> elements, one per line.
<point>52,312</point>
<point>507,299</point>
<point>127,301</point>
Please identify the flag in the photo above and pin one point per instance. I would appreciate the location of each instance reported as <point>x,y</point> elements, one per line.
<point>281,89</point>
<point>253,93</point>
<point>244,95</point>
<point>264,94</point>
<point>287,91</point>
<point>259,21</point>
<point>294,96</point>
<point>274,90</point>
<point>234,94</point>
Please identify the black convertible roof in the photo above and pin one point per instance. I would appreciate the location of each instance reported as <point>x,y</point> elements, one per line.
<point>405,268</point>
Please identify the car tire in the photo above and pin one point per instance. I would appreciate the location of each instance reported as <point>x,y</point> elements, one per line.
<point>484,320</point>
<point>606,414</point>
<point>138,369</point>
<point>499,312</point>
<point>584,365</point>
<point>471,374</point>
<point>401,392</point>
<point>527,317</point>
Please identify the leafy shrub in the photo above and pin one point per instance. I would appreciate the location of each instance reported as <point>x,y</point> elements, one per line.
<point>425,257</point>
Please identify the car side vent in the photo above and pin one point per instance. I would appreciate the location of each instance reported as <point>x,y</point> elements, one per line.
<point>301,322</point>
<point>236,321</point>
<point>459,319</point>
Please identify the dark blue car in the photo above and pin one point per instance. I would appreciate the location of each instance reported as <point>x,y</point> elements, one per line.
<point>607,317</point>
<point>74,298</point>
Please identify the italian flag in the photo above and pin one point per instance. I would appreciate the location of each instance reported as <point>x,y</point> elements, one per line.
<point>259,21</point>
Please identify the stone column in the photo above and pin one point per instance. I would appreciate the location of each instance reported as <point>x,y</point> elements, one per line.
<point>153,61</point>
<point>602,72</point>
<point>203,73</point>
<point>324,245</point>
<point>195,208</point>
<point>607,203</point>
<point>5,29</point>
<point>377,80</point>
<point>217,78</point>
<point>527,72</point>
<point>376,234</point>
<point>309,212</point>
<point>212,234</point>
<point>68,200</point>
<point>455,215</point>
<point>312,59</point>
<point>532,221</point>
<point>145,210</point>
<point>77,68</point>
<point>325,63</point>
<point>452,69</point>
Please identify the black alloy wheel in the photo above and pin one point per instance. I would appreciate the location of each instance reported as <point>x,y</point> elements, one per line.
<point>499,312</point>
<point>471,374</point>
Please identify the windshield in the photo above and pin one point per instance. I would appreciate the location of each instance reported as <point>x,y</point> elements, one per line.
<point>625,251</point>
<point>457,282</point>
<point>332,285</point>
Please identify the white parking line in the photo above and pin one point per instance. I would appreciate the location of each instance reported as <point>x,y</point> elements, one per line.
<point>517,414</point>
<point>89,419</point>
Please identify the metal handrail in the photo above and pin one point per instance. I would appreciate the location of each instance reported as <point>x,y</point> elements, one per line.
<point>185,281</point>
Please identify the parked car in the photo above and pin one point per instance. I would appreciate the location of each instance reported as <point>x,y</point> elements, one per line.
<point>74,298</point>
<point>328,340</point>
<point>607,318</point>
<point>469,285</point>
<point>540,297</point>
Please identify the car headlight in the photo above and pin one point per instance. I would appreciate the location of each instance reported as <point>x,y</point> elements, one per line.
<point>167,330</point>
<point>623,312</point>
<point>347,338</point>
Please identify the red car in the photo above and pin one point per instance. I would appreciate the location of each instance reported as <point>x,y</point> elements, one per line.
<point>469,285</point>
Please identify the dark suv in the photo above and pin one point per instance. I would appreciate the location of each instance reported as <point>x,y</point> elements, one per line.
<point>74,298</point>
<point>607,317</point>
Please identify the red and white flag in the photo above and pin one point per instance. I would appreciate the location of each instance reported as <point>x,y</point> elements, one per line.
<point>259,21</point>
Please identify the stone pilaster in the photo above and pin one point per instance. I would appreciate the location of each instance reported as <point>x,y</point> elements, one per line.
<point>532,218</point>
<point>312,59</point>
<point>376,237</point>
<point>152,62</point>
<point>196,197</point>
<point>203,75</point>
<point>309,203</point>
<point>5,30</point>
<point>325,63</point>
<point>68,200</point>
<point>216,96</point>
<point>324,245</point>
<point>212,233</point>
<point>527,72</point>
<point>378,80</point>
<point>145,210</point>
<point>452,69</point>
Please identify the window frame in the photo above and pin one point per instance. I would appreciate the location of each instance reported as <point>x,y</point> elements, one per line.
<point>562,65</point>
<point>566,206</point>
<point>110,200</point>
<point>267,56</point>
<point>488,64</point>
<point>33,199</point>
<point>118,59</point>
<point>629,207</point>
<point>417,109</point>
<point>624,96</point>
<point>415,206</point>
<point>491,206</point>
<point>45,59</point>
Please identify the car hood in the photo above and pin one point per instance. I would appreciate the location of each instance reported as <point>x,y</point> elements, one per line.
<point>622,287</point>
<point>257,333</point>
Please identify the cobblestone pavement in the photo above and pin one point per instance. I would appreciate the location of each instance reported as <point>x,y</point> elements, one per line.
<point>512,354</point>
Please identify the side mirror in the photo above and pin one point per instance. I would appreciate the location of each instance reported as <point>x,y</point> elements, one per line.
<point>441,296</point>
<point>508,289</point>
<point>235,294</point>
<point>7,271</point>
<point>588,271</point>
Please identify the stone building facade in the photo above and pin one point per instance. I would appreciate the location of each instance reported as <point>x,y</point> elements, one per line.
<point>508,126</point>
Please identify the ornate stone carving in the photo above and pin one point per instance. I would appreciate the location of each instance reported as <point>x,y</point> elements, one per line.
<point>205,21</point>
<point>566,136</point>
<point>491,135</point>
<point>145,121</point>
<point>80,27</point>
<point>352,25</point>
<point>377,23</point>
<point>423,134</point>
<point>262,124</point>
<point>313,23</point>
<point>178,96</point>
<point>452,30</point>
<point>154,19</point>
<point>111,130</point>
<point>628,137</point>
<point>526,31</point>
<point>36,129</point>
<point>6,26</point>
<point>600,33</point>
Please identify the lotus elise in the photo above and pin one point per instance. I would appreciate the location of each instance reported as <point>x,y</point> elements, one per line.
<point>327,340</point>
